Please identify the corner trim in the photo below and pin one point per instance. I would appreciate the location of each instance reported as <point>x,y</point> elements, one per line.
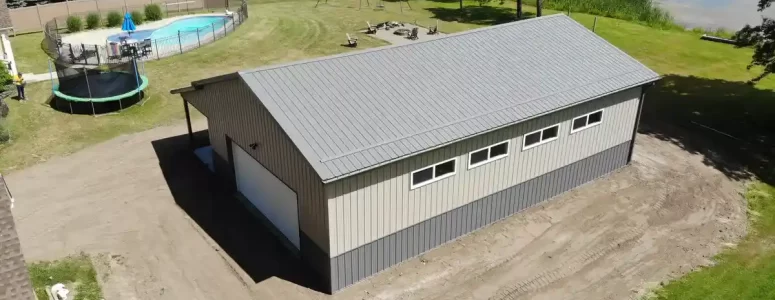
<point>643,90</point>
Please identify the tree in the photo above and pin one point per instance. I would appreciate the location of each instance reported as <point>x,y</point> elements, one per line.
<point>762,38</point>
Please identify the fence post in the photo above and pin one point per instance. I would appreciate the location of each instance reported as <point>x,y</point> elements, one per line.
<point>224,27</point>
<point>40,20</point>
<point>198,41</point>
<point>594,25</point>
<point>232,24</point>
<point>213,26</point>
<point>156,45</point>
<point>180,44</point>
<point>97,52</point>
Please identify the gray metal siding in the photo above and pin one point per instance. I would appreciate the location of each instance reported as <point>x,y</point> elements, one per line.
<point>375,204</point>
<point>351,112</point>
<point>14,279</point>
<point>233,110</point>
<point>390,250</point>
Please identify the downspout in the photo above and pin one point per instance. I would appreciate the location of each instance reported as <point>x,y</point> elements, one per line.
<point>637,118</point>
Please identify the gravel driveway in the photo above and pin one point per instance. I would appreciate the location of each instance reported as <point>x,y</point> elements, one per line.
<point>160,228</point>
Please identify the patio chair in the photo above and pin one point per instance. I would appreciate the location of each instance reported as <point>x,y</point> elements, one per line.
<point>370,29</point>
<point>128,50</point>
<point>352,41</point>
<point>433,30</point>
<point>414,34</point>
<point>145,47</point>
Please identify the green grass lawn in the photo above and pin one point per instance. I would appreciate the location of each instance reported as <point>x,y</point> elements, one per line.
<point>75,272</point>
<point>291,30</point>
<point>744,273</point>
<point>28,51</point>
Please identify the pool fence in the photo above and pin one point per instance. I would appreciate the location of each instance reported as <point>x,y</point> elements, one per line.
<point>149,49</point>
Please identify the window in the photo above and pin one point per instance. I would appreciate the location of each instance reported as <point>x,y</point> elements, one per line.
<point>587,121</point>
<point>433,173</point>
<point>539,137</point>
<point>488,154</point>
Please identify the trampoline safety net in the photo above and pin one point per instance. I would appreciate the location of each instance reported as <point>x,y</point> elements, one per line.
<point>99,83</point>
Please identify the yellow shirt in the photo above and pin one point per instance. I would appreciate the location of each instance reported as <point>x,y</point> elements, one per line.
<point>18,80</point>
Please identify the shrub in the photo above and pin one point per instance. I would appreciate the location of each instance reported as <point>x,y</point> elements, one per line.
<point>138,17</point>
<point>153,12</point>
<point>74,24</point>
<point>114,19</point>
<point>5,77</point>
<point>93,21</point>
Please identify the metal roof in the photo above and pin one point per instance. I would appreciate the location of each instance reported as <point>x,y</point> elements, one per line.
<point>351,112</point>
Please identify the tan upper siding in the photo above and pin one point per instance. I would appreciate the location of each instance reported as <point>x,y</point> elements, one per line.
<point>233,110</point>
<point>372,205</point>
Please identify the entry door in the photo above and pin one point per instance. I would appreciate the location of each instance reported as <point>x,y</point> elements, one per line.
<point>276,201</point>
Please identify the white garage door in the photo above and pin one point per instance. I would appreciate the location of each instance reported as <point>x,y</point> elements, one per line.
<point>266,192</point>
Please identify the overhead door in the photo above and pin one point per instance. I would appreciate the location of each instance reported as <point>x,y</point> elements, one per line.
<point>276,201</point>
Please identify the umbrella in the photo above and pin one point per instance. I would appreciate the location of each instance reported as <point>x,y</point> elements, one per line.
<point>128,25</point>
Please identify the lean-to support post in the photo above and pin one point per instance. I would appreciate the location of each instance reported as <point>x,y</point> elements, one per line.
<point>188,123</point>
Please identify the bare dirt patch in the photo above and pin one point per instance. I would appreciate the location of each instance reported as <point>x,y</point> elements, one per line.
<point>614,238</point>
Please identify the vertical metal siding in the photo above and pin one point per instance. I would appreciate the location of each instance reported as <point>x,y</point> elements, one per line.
<point>385,252</point>
<point>233,110</point>
<point>369,206</point>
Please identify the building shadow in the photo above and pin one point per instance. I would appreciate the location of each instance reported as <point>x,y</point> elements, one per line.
<point>224,218</point>
<point>480,15</point>
<point>729,123</point>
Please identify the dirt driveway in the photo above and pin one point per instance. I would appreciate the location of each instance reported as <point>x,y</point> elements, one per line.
<point>160,229</point>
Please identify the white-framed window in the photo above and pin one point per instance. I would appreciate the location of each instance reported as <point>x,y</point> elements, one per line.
<point>586,121</point>
<point>434,173</point>
<point>540,137</point>
<point>488,154</point>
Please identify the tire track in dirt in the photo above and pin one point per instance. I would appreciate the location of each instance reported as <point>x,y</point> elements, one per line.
<point>577,263</point>
<point>569,267</point>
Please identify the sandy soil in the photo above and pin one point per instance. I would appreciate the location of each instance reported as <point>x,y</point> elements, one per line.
<point>614,238</point>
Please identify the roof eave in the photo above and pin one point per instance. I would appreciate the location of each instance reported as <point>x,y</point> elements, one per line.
<point>195,85</point>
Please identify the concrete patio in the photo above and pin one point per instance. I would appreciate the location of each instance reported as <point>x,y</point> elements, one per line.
<point>390,36</point>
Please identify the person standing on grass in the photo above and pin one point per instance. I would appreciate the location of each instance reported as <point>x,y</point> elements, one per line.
<point>18,80</point>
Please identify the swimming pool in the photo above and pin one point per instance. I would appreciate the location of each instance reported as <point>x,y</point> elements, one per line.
<point>187,28</point>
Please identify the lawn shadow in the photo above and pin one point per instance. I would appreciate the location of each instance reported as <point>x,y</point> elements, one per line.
<point>480,15</point>
<point>729,123</point>
<point>224,218</point>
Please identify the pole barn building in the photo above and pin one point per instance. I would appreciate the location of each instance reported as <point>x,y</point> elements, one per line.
<point>363,160</point>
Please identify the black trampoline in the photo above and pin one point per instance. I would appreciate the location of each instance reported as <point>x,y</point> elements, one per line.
<point>105,85</point>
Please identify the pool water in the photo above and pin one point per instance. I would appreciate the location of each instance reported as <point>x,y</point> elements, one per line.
<point>188,25</point>
<point>187,28</point>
